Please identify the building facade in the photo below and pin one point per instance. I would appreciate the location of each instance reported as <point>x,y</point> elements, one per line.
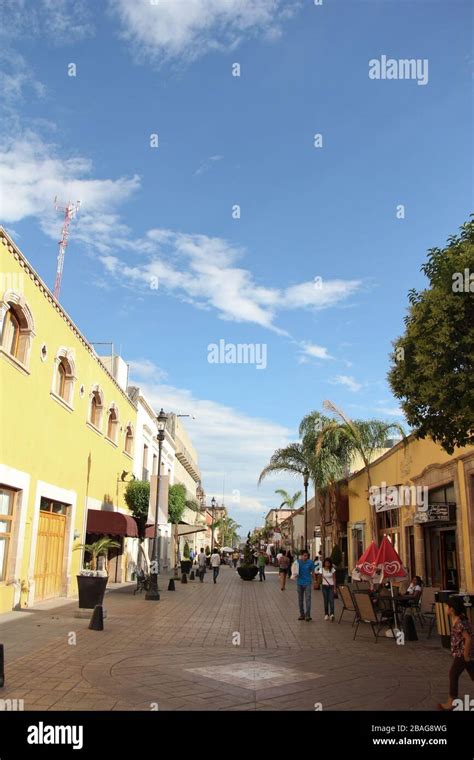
<point>67,436</point>
<point>425,505</point>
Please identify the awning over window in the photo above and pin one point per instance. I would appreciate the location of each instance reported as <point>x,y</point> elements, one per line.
<point>112,523</point>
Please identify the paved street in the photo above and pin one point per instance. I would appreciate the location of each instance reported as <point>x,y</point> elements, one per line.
<point>178,654</point>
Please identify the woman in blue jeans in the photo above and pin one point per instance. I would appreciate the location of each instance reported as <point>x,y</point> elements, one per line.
<point>328,586</point>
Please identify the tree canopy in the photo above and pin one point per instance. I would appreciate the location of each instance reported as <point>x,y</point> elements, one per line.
<point>433,361</point>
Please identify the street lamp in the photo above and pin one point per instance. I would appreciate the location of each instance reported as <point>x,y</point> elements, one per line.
<point>213,506</point>
<point>306,483</point>
<point>153,593</point>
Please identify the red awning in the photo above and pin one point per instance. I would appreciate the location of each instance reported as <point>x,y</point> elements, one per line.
<point>112,523</point>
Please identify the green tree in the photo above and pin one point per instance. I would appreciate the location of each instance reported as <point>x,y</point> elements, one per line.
<point>433,361</point>
<point>227,528</point>
<point>137,498</point>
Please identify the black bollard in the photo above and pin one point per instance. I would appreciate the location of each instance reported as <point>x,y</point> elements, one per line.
<point>2,666</point>
<point>184,578</point>
<point>191,575</point>
<point>97,619</point>
<point>171,585</point>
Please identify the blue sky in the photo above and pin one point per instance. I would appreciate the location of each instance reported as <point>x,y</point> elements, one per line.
<point>306,212</point>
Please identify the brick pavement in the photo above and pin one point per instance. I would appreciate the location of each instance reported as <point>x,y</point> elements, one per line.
<point>183,653</point>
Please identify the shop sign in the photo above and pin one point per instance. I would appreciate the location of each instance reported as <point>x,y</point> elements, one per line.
<point>434,513</point>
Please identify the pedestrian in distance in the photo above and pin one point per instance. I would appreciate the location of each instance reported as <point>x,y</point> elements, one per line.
<point>290,560</point>
<point>201,565</point>
<point>261,562</point>
<point>462,649</point>
<point>305,584</point>
<point>328,579</point>
<point>215,564</point>
<point>235,558</point>
<point>283,565</point>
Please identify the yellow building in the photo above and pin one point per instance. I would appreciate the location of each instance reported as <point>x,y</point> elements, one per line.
<point>67,430</point>
<point>429,516</point>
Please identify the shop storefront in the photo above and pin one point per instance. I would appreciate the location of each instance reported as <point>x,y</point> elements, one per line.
<point>440,538</point>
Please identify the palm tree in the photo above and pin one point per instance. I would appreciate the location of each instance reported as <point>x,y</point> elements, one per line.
<point>290,503</point>
<point>332,460</point>
<point>364,437</point>
<point>228,529</point>
<point>99,548</point>
<point>294,458</point>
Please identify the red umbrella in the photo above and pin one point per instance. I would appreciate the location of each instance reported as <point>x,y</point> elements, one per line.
<point>365,566</point>
<point>389,565</point>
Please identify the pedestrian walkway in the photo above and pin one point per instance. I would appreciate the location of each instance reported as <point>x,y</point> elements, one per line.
<point>235,645</point>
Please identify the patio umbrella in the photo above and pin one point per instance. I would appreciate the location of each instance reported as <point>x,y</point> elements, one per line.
<point>388,565</point>
<point>365,566</point>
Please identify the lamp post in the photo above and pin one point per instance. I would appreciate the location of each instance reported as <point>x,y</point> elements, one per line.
<point>153,593</point>
<point>213,506</point>
<point>306,483</point>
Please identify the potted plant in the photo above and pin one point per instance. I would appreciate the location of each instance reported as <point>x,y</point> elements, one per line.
<point>248,569</point>
<point>336,559</point>
<point>92,580</point>
<point>186,561</point>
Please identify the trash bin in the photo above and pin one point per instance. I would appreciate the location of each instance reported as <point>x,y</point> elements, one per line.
<point>443,621</point>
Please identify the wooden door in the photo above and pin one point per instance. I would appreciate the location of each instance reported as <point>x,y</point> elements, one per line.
<point>49,555</point>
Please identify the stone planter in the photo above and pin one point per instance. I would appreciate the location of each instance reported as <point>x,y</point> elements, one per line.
<point>248,573</point>
<point>91,591</point>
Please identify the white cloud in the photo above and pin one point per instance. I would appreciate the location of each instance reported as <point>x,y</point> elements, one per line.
<point>348,381</point>
<point>205,165</point>
<point>391,411</point>
<point>62,21</point>
<point>32,174</point>
<point>144,369</point>
<point>314,351</point>
<point>196,268</point>
<point>187,29</point>
<point>203,270</point>
<point>237,444</point>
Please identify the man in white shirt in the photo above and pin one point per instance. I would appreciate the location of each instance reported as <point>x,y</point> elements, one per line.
<point>215,564</point>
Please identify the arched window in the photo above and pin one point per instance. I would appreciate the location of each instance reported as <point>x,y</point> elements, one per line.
<point>112,423</point>
<point>63,384</point>
<point>16,327</point>
<point>129,439</point>
<point>96,408</point>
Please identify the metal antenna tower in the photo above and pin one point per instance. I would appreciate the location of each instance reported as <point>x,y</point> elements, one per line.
<point>70,210</point>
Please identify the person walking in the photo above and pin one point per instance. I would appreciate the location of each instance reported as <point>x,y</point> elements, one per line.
<point>328,586</point>
<point>305,584</point>
<point>290,560</point>
<point>235,558</point>
<point>283,565</point>
<point>261,562</point>
<point>215,564</point>
<point>201,564</point>
<point>462,649</point>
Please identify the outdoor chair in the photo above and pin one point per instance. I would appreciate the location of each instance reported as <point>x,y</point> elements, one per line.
<point>143,582</point>
<point>348,602</point>
<point>366,613</point>
<point>362,585</point>
<point>427,610</point>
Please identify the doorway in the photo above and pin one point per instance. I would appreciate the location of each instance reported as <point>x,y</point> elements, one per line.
<point>50,549</point>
